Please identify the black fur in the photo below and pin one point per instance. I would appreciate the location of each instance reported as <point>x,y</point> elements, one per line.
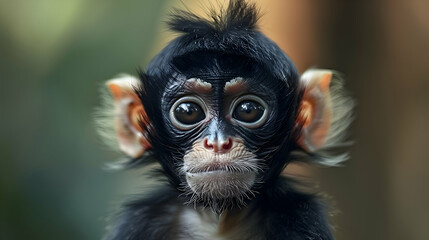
<point>229,45</point>
<point>281,213</point>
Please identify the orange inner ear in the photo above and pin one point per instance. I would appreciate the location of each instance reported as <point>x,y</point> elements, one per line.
<point>131,121</point>
<point>135,111</point>
<point>116,91</point>
<point>325,81</point>
<point>315,111</point>
<point>135,114</point>
<point>138,118</point>
<point>306,112</point>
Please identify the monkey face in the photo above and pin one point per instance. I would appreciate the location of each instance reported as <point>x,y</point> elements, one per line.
<point>220,122</point>
<point>220,125</point>
<point>219,165</point>
<point>226,121</point>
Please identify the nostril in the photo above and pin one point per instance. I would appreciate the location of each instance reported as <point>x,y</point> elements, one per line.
<point>227,145</point>
<point>207,144</point>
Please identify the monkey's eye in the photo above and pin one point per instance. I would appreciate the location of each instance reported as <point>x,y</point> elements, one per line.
<point>187,112</point>
<point>250,111</point>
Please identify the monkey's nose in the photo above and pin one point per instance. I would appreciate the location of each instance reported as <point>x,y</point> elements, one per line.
<point>218,146</point>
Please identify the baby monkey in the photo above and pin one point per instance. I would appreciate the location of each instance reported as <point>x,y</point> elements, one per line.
<point>223,110</point>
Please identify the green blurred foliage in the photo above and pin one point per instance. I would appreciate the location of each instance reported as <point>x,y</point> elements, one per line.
<point>54,58</point>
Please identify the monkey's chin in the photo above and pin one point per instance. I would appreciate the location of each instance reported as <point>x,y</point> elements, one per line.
<point>221,184</point>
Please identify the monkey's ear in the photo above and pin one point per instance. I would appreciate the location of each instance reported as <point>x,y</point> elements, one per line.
<point>129,115</point>
<point>315,112</point>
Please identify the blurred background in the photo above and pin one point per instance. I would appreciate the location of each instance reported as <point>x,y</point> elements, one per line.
<point>55,56</point>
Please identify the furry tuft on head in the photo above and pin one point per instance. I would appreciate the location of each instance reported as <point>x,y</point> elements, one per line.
<point>231,31</point>
<point>238,16</point>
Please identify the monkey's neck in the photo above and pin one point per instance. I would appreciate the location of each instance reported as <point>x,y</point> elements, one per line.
<point>227,222</point>
<point>229,219</point>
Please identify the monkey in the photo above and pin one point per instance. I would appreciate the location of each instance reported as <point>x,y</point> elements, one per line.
<point>222,110</point>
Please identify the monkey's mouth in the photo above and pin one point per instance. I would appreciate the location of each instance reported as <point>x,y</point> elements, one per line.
<point>220,181</point>
<point>218,168</point>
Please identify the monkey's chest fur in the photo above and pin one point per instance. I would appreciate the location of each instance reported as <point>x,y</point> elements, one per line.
<point>276,214</point>
<point>204,224</point>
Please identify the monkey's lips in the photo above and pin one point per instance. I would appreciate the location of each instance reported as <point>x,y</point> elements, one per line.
<point>231,175</point>
<point>217,167</point>
<point>220,182</point>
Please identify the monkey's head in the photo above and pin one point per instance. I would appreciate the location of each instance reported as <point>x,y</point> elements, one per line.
<point>221,108</point>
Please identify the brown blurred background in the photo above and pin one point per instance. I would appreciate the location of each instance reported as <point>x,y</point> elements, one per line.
<point>54,56</point>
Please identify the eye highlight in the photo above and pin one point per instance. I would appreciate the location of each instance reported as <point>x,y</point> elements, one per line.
<point>250,111</point>
<point>187,112</point>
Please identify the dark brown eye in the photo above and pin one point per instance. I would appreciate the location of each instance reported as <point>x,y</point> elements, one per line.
<point>189,113</point>
<point>248,111</point>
